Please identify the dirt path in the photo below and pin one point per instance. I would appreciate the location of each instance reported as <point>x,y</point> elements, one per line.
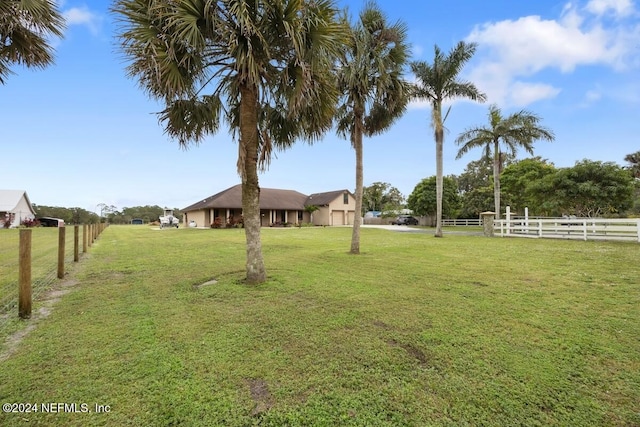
<point>47,301</point>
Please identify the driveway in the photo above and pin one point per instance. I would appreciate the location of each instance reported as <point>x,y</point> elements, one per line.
<point>401,228</point>
<point>426,230</point>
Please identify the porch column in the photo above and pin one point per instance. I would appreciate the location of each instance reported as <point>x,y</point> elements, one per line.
<point>286,216</point>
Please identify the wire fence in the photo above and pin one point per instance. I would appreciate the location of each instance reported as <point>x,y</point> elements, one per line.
<point>44,265</point>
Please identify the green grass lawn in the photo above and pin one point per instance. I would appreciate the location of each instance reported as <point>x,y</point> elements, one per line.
<point>457,331</point>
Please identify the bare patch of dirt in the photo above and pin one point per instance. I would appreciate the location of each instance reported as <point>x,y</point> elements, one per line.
<point>260,394</point>
<point>411,350</point>
<point>48,300</point>
<point>381,324</point>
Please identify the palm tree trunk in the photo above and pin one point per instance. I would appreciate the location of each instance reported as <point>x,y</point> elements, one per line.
<point>249,142</point>
<point>496,179</point>
<point>439,135</point>
<point>357,217</point>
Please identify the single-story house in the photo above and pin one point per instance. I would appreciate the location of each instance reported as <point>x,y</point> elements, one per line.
<point>15,207</point>
<point>277,207</point>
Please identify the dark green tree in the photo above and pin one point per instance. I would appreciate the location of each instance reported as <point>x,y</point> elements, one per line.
<point>263,66</point>
<point>381,196</point>
<point>436,83</point>
<point>518,180</point>
<point>69,215</point>
<point>374,92</point>
<point>589,189</point>
<point>423,200</point>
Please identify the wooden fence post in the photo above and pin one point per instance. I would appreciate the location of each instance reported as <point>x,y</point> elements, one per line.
<point>89,234</point>
<point>24,272</point>
<point>61,238</point>
<point>76,243</point>
<point>84,238</point>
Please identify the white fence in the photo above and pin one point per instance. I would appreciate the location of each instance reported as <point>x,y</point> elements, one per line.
<point>575,228</point>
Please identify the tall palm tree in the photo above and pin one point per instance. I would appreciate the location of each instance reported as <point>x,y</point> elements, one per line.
<point>437,83</point>
<point>520,129</point>
<point>263,66</point>
<point>25,26</point>
<point>374,93</point>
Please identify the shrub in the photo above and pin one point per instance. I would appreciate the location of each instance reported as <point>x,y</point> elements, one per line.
<point>217,222</point>
<point>30,222</point>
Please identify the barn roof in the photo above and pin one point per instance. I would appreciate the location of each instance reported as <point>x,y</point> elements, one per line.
<point>9,199</point>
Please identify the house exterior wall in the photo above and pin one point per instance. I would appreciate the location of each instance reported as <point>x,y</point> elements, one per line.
<point>322,216</point>
<point>16,215</point>
<point>347,210</point>
<point>197,216</point>
<point>337,212</point>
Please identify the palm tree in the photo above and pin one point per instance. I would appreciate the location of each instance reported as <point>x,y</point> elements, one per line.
<point>25,27</point>
<point>437,83</point>
<point>519,129</point>
<point>310,209</point>
<point>374,93</point>
<point>263,66</point>
<point>634,163</point>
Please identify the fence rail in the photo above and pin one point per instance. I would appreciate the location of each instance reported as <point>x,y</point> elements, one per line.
<point>476,222</point>
<point>575,228</point>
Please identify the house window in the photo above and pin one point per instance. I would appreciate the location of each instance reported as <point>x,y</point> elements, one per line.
<point>300,215</point>
<point>345,198</point>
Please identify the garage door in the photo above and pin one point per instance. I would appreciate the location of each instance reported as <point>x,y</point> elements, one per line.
<point>338,218</point>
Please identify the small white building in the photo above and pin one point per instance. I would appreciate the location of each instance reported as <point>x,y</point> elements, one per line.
<point>15,207</point>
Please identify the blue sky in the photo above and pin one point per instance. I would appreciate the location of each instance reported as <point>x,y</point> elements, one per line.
<point>81,133</point>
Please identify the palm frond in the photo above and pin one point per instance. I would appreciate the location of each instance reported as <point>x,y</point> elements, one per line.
<point>190,120</point>
<point>25,30</point>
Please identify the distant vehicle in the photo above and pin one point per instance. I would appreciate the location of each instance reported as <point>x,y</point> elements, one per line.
<point>168,220</point>
<point>405,220</point>
<point>51,222</point>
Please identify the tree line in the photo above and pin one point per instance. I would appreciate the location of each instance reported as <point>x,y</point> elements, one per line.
<point>111,214</point>
<point>587,189</point>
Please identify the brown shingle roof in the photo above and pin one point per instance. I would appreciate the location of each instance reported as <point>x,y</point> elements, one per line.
<point>270,198</point>
<point>322,199</point>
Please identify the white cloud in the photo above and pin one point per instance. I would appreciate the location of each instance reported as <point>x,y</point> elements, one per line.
<point>619,8</point>
<point>523,93</point>
<point>83,16</point>
<point>512,49</point>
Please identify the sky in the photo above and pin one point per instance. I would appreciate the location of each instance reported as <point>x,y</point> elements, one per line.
<point>81,133</point>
